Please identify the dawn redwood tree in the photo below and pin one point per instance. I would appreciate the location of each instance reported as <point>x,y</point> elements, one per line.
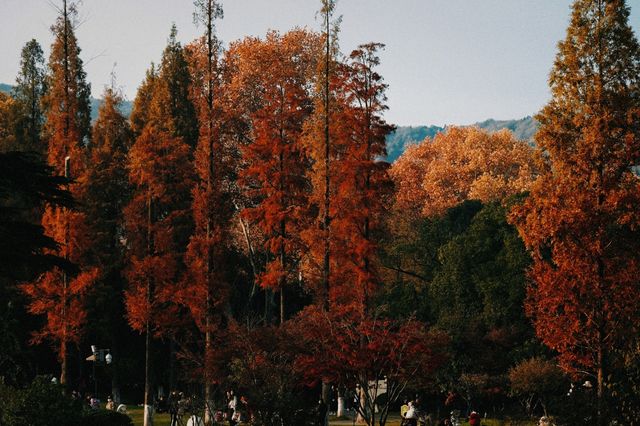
<point>319,138</point>
<point>58,294</point>
<point>204,289</point>
<point>362,184</point>
<point>160,173</point>
<point>141,109</point>
<point>581,221</point>
<point>276,164</point>
<point>106,194</point>
<point>158,218</point>
<point>29,89</point>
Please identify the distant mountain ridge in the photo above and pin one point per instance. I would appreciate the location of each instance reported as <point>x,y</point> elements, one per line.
<point>398,141</point>
<point>404,136</point>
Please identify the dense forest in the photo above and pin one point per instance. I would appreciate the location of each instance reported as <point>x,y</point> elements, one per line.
<point>253,223</point>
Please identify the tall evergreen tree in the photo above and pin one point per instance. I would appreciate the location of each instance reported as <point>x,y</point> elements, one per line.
<point>581,221</point>
<point>29,91</point>
<point>172,108</point>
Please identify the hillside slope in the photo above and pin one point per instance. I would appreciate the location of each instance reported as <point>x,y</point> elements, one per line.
<point>398,141</point>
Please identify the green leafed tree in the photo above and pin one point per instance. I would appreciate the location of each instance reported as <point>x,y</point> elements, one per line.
<point>28,92</point>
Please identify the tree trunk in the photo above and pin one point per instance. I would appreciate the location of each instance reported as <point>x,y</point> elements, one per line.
<point>208,400</point>
<point>341,408</point>
<point>64,364</point>
<point>326,397</point>
<point>148,409</point>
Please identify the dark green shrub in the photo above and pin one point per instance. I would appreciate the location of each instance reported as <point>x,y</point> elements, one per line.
<point>40,404</point>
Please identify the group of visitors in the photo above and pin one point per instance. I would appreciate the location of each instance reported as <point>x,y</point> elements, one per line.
<point>413,414</point>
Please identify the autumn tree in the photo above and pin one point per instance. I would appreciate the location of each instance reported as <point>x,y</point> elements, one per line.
<point>26,184</point>
<point>141,109</point>
<point>56,293</point>
<point>365,354</point>
<point>160,174</point>
<point>537,381</point>
<point>275,160</point>
<point>29,91</point>
<point>204,290</point>
<point>580,221</point>
<point>10,118</point>
<point>319,140</point>
<point>460,164</point>
<point>105,196</point>
<point>362,184</point>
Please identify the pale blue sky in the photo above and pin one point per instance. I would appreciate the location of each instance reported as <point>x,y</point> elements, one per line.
<point>446,62</point>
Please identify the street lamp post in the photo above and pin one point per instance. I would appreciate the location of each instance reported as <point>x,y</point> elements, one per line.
<point>99,356</point>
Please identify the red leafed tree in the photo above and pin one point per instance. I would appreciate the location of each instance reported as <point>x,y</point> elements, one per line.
<point>156,219</point>
<point>59,294</point>
<point>204,290</point>
<point>368,355</point>
<point>362,184</point>
<point>275,161</point>
<point>581,219</point>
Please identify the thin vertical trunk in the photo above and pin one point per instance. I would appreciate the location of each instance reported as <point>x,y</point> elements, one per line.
<point>148,412</point>
<point>64,368</point>
<point>208,345</point>
<point>283,265</point>
<point>283,223</point>
<point>326,220</point>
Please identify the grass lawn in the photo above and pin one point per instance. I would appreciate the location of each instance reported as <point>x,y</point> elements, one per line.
<point>163,420</point>
<point>136,414</point>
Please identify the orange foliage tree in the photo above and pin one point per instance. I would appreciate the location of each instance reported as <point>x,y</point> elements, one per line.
<point>460,164</point>
<point>275,162</point>
<point>361,181</point>
<point>57,293</point>
<point>204,290</point>
<point>581,220</point>
<point>158,218</point>
<point>321,139</point>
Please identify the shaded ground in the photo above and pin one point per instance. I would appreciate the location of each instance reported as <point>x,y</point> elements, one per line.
<point>163,420</point>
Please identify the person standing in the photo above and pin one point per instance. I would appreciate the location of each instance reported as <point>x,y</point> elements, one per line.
<point>411,416</point>
<point>474,419</point>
